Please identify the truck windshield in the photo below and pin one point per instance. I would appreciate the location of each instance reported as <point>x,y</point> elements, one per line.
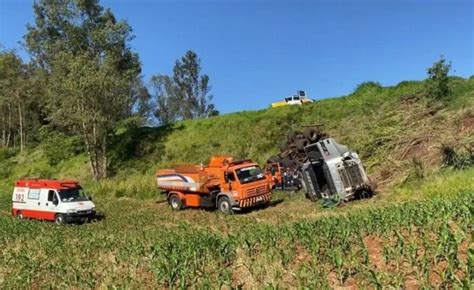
<point>249,174</point>
<point>73,194</point>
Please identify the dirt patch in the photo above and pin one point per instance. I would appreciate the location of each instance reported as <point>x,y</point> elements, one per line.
<point>302,255</point>
<point>462,251</point>
<point>242,278</point>
<point>374,248</point>
<point>435,274</point>
<point>411,283</point>
<point>467,124</point>
<point>334,283</point>
<point>302,258</point>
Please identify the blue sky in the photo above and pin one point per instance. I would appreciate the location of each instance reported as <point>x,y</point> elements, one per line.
<point>259,51</point>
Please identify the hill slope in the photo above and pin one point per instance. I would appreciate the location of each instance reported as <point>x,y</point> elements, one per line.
<point>395,130</point>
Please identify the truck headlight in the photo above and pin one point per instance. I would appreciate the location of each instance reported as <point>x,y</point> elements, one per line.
<point>71,211</point>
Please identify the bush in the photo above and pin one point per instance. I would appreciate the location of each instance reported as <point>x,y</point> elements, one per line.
<point>437,86</point>
<point>7,153</point>
<point>368,86</point>
<point>457,159</point>
<point>57,146</point>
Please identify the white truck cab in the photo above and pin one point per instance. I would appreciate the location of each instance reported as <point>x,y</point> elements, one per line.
<point>61,201</point>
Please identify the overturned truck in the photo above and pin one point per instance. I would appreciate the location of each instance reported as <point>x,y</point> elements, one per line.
<point>325,168</point>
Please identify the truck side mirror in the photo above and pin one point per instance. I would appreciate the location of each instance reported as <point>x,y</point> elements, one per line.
<point>226,177</point>
<point>90,198</point>
<point>55,201</point>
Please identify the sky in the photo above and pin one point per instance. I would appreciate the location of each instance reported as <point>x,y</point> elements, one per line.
<point>259,51</point>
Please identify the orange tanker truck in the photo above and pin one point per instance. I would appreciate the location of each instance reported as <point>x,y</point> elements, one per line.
<point>224,184</point>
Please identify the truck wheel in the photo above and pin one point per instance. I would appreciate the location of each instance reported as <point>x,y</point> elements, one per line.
<point>223,204</point>
<point>59,219</point>
<point>301,144</point>
<point>284,145</point>
<point>273,159</point>
<point>311,134</point>
<point>175,202</point>
<point>20,215</point>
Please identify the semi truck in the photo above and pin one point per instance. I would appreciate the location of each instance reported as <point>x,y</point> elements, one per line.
<point>224,184</point>
<point>325,168</point>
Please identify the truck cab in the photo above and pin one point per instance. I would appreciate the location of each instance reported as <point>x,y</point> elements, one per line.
<point>61,201</point>
<point>247,185</point>
<point>333,169</point>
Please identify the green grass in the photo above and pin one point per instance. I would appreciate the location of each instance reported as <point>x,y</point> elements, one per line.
<point>416,231</point>
<point>145,243</point>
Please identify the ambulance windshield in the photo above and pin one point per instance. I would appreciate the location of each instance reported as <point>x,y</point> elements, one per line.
<point>74,194</point>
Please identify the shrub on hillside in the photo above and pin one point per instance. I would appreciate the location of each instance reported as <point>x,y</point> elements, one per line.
<point>366,87</point>
<point>457,159</point>
<point>6,153</point>
<point>57,146</point>
<point>437,85</point>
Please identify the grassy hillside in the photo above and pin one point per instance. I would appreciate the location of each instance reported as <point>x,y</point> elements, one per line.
<point>395,129</point>
<point>416,233</point>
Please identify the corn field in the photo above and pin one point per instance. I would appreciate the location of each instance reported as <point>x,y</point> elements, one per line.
<point>419,244</point>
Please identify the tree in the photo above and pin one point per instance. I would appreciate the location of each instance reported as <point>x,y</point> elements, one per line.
<point>140,106</point>
<point>437,85</point>
<point>16,96</point>
<point>185,95</point>
<point>91,70</point>
<point>167,104</point>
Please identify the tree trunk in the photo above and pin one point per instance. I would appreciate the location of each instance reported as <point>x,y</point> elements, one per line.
<point>4,131</point>
<point>89,149</point>
<point>96,145</point>
<point>20,122</point>
<point>104,153</point>
<point>9,125</point>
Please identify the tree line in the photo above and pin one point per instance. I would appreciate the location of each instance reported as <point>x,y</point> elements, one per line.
<point>83,78</point>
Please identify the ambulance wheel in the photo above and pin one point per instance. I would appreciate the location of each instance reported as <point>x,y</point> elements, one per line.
<point>223,204</point>
<point>59,219</point>
<point>175,202</point>
<point>20,215</point>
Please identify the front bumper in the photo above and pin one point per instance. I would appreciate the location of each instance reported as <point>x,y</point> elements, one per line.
<point>79,216</point>
<point>253,201</point>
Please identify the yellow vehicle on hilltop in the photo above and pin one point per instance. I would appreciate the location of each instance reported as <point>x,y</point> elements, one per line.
<point>299,99</point>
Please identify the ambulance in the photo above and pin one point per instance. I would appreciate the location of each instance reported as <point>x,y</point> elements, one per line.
<point>61,201</point>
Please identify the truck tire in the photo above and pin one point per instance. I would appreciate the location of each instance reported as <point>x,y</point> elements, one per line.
<point>291,136</point>
<point>273,159</point>
<point>301,144</point>
<point>283,146</point>
<point>59,219</point>
<point>224,206</point>
<point>286,162</point>
<point>311,134</point>
<point>175,202</point>
<point>293,154</point>
<point>19,215</point>
<point>301,158</point>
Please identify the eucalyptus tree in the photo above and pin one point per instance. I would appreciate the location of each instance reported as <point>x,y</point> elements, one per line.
<point>91,70</point>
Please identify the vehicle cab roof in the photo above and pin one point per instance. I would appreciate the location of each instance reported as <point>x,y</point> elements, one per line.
<point>47,183</point>
<point>242,164</point>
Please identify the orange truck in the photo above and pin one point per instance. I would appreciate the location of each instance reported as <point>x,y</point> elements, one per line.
<point>224,184</point>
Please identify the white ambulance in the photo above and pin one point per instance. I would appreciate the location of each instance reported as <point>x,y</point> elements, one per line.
<point>61,201</point>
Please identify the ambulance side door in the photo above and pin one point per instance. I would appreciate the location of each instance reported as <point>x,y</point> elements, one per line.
<point>32,206</point>
<point>47,207</point>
